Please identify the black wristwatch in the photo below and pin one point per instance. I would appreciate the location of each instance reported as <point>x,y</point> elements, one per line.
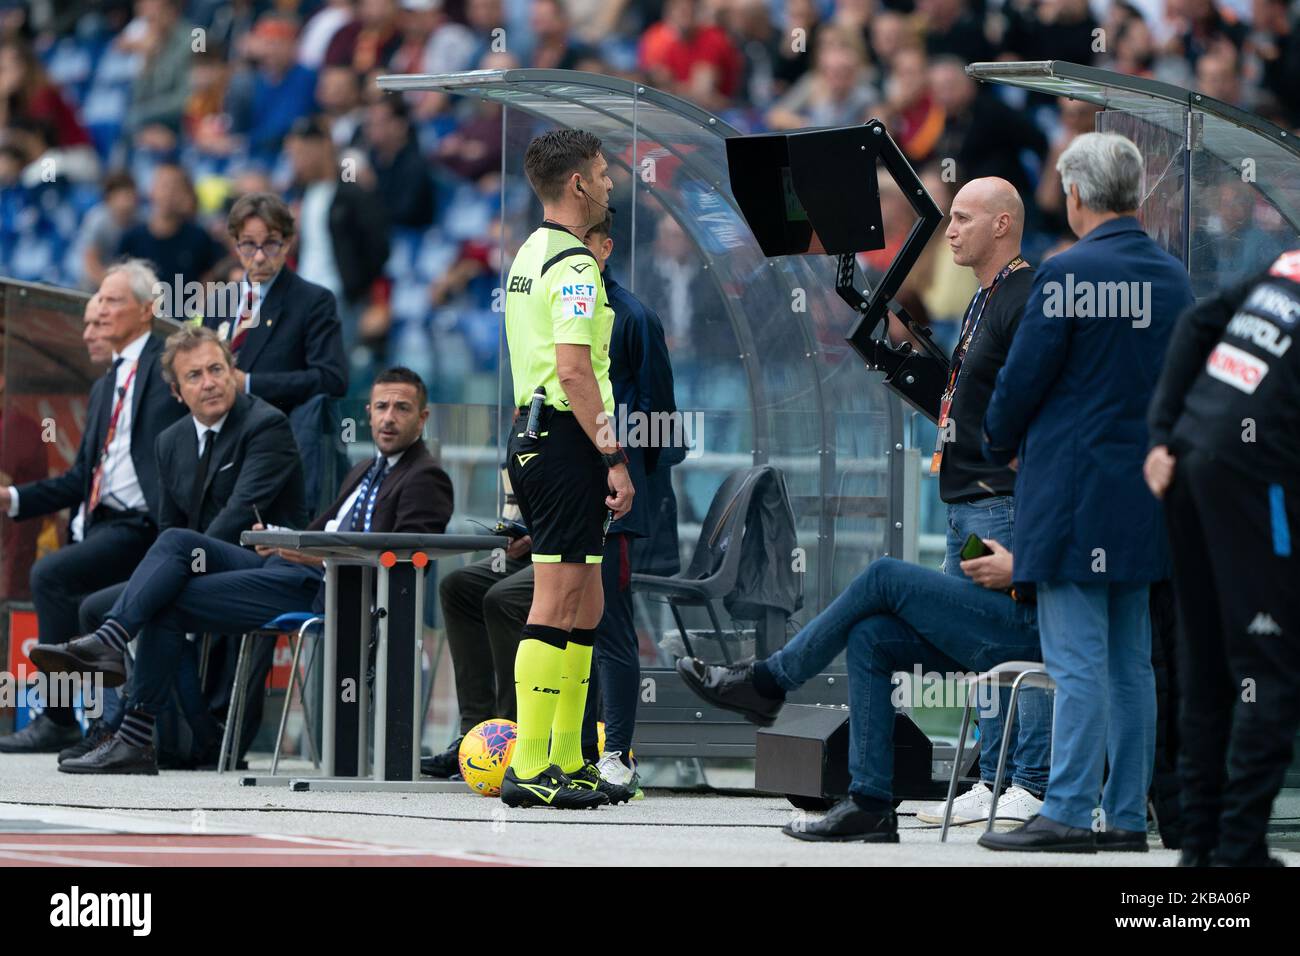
<point>615,458</point>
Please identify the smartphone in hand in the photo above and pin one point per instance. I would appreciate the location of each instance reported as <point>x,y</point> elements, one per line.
<point>974,547</point>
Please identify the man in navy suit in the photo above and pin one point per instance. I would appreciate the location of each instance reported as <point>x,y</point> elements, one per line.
<point>285,336</point>
<point>227,463</point>
<point>1070,404</point>
<point>115,475</point>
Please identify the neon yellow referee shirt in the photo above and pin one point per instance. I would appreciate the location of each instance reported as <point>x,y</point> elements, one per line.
<point>555,296</point>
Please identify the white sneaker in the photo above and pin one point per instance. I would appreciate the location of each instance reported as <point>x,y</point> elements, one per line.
<point>613,769</point>
<point>971,807</point>
<point>1016,807</point>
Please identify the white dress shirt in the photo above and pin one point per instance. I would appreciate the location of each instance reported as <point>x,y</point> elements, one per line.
<point>120,487</point>
<point>200,429</point>
<point>350,500</point>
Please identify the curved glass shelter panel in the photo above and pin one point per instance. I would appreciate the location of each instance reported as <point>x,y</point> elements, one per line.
<point>1223,185</point>
<point>762,372</point>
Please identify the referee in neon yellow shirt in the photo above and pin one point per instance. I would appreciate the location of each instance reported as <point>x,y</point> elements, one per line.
<point>569,479</point>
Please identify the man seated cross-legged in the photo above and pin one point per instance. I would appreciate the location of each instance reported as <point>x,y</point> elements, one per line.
<point>893,617</point>
<point>190,582</point>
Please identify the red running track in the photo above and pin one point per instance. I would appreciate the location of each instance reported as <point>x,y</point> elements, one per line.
<point>122,849</point>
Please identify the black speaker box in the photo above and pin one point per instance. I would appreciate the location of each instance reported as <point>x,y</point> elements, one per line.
<point>805,755</point>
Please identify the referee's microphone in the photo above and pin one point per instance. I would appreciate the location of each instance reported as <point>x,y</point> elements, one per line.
<point>595,200</point>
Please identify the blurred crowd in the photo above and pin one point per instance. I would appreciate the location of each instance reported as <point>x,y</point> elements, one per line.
<point>129,128</point>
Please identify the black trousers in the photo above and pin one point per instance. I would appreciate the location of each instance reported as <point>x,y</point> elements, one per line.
<point>1237,583</point>
<point>486,611</point>
<point>190,694</point>
<point>114,544</point>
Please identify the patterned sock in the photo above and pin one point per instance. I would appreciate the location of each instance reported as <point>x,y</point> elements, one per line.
<point>137,729</point>
<point>113,635</point>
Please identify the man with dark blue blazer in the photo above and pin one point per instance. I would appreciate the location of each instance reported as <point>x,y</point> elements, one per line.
<point>230,460</point>
<point>115,475</point>
<point>1070,405</point>
<point>285,334</point>
<point>641,375</point>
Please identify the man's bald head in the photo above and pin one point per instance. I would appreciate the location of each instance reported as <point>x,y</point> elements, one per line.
<point>995,196</point>
<point>986,225</point>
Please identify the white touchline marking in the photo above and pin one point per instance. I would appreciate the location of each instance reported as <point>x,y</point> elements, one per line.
<point>62,860</point>
<point>211,850</point>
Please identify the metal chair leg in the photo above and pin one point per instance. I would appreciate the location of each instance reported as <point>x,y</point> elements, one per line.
<point>681,629</point>
<point>1007,726</point>
<point>205,652</point>
<point>288,701</point>
<point>717,630</point>
<point>308,722</point>
<point>235,712</point>
<point>288,696</point>
<point>956,762</point>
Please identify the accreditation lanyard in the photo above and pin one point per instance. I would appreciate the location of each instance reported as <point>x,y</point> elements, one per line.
<point>974,312</point>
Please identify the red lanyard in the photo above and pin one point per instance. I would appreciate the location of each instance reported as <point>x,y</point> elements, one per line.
<point>108,438</point>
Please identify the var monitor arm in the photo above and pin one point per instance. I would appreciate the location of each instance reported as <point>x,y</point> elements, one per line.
<point>815,193</point>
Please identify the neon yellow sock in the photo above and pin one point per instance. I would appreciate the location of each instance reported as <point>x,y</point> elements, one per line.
<point>539,667</point>
<point>566,726</point>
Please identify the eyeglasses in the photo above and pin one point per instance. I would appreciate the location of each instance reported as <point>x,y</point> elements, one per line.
<point>270,249</point>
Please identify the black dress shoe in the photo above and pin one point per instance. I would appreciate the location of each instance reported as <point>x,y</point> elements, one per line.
<point>730,687</point>
<point>1255,859</point>
<point>443,765</point>
<point>846,822</point>
<point>1041,835</point>
<point>99,732</point>
<point>114,755</point>
<point>1123,841</point>
<point>1192,856</point>
<point>41,736</point>
<point>84,655</point>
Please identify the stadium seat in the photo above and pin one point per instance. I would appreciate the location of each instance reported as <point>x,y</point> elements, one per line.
<point>1018,674</point>
<point>715,565</point>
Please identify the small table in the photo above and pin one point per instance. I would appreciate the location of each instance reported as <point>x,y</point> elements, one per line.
<point>391,567</point>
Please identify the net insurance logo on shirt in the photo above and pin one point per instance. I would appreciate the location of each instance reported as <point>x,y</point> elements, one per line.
<point>579,300</point>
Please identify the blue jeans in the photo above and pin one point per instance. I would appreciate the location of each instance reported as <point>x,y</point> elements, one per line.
<point>1097,647</point>
<point>989,518</point>
<point>995,518</point>
<point>894,617</point>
